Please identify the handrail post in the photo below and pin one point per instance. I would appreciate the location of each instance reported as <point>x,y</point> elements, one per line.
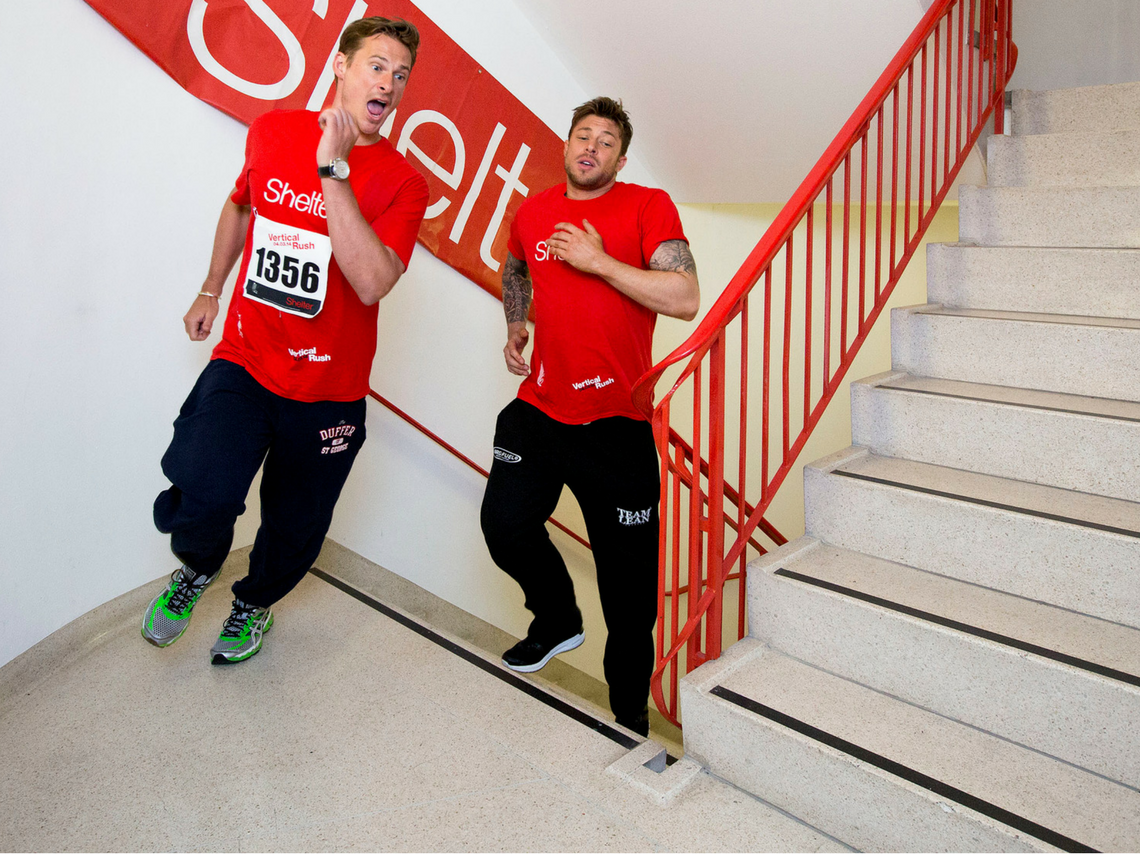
<point>714,555</point>
<point>660,424</point>
<point>1001,72</point>
<point>697,525</point>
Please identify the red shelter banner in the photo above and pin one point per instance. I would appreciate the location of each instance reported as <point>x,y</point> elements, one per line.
<point>480,149</point>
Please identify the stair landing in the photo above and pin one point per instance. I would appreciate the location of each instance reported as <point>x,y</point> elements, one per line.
<point>350,730</point>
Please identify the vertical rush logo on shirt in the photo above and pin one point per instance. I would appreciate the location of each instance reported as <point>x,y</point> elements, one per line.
<point>480,149</point>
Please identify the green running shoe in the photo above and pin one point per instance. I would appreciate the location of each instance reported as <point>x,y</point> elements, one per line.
<point>167,617</point>
<point>241,635</point>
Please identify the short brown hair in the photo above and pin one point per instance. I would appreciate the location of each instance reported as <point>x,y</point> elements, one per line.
<point>606,108</point>
<point>357,32</point>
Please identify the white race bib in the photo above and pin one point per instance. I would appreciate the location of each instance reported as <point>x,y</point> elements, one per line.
<point>288,267</point>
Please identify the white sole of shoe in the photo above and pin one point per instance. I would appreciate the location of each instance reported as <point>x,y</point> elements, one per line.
<point>565,646</point>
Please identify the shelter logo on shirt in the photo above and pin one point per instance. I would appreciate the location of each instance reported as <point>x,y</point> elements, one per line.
<point>279,192</point>
<point>542,252</point>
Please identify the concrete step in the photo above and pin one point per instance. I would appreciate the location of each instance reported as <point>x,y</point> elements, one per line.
<point>883,775</point>
<point>1069,549</point>
<point>1082,159</point>
<point>1049,216</point>
<point>1097,357</point>
<point>1086,282</point>
<point>1051,679</point>
<point>1084,443</point>
<point>1088,108</point>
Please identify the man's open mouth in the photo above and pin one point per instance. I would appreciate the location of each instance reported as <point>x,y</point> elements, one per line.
<point>376,108</point>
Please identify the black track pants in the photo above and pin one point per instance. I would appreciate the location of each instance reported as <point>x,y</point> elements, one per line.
<point>611,467</point>
<point>229,424</point>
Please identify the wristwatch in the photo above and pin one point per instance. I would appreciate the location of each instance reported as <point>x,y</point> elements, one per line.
<point>338,169</point>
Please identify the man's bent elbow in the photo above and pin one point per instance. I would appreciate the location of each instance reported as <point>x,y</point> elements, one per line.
<point>379,281</point>
<point>370,289</point>
<point>687,314</point>
<point>688,305</point>
<point>374,291</point>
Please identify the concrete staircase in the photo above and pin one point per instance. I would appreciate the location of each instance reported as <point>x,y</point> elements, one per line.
<point>950,658</point>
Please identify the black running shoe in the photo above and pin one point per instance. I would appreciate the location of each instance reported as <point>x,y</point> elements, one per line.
<point>638,723</point>
<point>531,654</point>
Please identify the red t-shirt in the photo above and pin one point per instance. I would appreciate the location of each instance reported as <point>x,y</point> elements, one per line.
<point>591,342</point>
<point>328,355</point>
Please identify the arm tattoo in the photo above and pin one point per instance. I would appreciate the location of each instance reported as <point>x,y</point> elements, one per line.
<point>673,256</point>
<point>516,289</point>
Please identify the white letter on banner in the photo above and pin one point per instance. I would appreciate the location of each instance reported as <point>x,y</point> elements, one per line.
<point>195,30</point>
<point>477,185</point>
<point>451,178</point>
<point>325,81</point>
<point>511,182</point>
<point>386,128</point>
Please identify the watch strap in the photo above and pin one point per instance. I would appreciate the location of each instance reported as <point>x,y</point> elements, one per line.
<point>329,171</point>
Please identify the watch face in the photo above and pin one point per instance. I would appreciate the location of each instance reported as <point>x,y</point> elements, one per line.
<point>339,169</point>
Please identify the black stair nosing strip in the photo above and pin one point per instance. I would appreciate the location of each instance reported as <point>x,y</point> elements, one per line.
<point>911,775</point>
<point>984,502</point>
<point>524,685</point>
<point>1035,406</point>
<point>976,631</point>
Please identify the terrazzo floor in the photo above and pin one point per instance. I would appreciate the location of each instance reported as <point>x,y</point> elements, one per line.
<point>348,732</point>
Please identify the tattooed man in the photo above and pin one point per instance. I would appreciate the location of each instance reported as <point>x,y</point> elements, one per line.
<point>600,260</point>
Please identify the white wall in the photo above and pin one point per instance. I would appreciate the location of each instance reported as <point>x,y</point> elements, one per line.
<point>115,179</point>
<point>1065,43</point>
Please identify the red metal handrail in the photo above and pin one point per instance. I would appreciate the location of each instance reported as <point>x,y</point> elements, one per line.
<point>730,493</point>
<point>962,54</point>
<point>457,453</point>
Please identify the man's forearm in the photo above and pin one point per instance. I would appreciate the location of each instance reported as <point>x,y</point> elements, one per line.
<point>370,267</point>
<point>516,290</point>
<point>668,293</point>
<point>669,287</point>
<point>229,240</point>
